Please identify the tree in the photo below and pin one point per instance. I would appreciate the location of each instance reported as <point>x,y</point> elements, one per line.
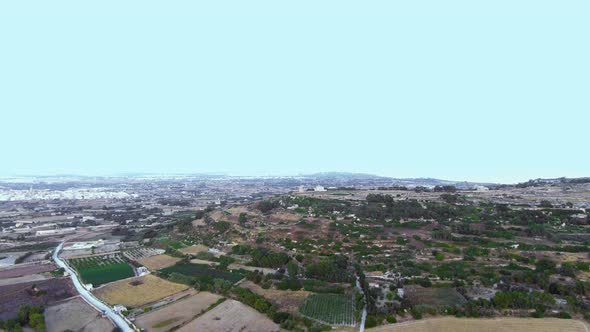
<point>37,321</point>
<point>293,269</point>
<point>243,218</point>
<point>544,264</point>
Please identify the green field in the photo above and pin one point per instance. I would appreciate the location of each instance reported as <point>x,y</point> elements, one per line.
<point>332,309</point>
<point>98,270</point>
<point>202,271</point>
<point>174,244</point>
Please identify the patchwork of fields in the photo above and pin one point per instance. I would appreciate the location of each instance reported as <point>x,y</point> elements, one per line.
<point>98,270</point>
<point>333,309</point>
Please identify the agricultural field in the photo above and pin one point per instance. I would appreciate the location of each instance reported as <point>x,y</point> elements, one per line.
<point>231,315</point>
<point>25,269</point>
<point>38,293</point>
<point>137,292</point>
<point>199,271</point>
<point>75,315</point>
<point>158,262</point>
<point>287,300</point>
<point>332,309</point>
<point>138,253</point>
<point>98,270</point>
<point>433,297</point>
<point>177,313</point>
<point>20,280</point>
<point>193,250</point>
<point>453,324</point>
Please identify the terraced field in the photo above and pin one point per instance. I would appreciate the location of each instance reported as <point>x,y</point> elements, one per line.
<point>98,270</point>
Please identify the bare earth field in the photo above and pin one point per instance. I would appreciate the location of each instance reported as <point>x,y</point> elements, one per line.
<point>452,324</point>
<point>47,292</point>
<point>231,315</point>
<point>138,291</point>
<point>194,249</point>
<point>25,269</point>
<point>265,270</point>
<point>177,313</point>
<point>158,262</point>
<point>75,315</point>
<point>20,280</point>
<point>287,300</point>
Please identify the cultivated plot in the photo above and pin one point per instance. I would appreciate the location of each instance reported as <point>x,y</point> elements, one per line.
<point>231,315</point>
<point>332,309</point>
<point>98,270</point>
<point>453,324</point>
<point>139,291</point>
<point>177,313</point>
<point>75,315</point>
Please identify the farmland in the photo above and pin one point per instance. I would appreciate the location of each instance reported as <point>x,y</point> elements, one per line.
<point>434,297</point>
<point>231,315</point>
<point>193,250</point>
<point>138,253</point>
<point>176,313</point>
<point>98,270</point>
<point>75,315</point>
<point>333,309</point>
<point>158,262</point>
<point>136,292</point>
<point>39,293</point>
<point>201,271</point>
<point>452,324</point>
<point>25,269</point>
<point>286,300</point>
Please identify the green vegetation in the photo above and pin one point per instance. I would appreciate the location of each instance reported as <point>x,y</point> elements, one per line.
<point>31,316</point>
<point>335,309</point>
<point>189,273</point>
<point>98,270</point>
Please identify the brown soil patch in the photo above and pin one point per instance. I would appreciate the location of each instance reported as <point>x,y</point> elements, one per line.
<point>231,315</point>
<point>287,300</point>
<point>23,270</point>
<point>150,290</point>
<point>452,324</point>
<point>194,249</point>
<point>158,262</point>
<point>75,315</point>
<point>177,313</point>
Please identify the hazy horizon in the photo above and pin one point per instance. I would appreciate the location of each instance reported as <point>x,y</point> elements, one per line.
<point>189,174</point>
<point>460,90</point>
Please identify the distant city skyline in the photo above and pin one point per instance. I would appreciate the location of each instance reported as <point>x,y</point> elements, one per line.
<point>457,90</point>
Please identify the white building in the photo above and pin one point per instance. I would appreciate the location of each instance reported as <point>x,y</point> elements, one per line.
<point>319,188</point>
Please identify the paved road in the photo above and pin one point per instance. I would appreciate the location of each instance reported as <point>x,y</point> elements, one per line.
<point>364,316</point>
<point>108,311</point>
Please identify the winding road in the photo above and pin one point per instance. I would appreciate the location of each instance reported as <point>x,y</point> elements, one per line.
<point>89,297</point>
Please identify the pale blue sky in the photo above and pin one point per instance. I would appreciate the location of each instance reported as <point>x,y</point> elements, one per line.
<point>476,90</point>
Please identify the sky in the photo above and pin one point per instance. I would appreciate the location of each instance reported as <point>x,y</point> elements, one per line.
<point>462,90</point>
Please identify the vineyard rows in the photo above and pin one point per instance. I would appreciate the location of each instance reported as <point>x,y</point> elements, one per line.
<point>331,309</point>
<point>95,261</point>
<point>139,253</point>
